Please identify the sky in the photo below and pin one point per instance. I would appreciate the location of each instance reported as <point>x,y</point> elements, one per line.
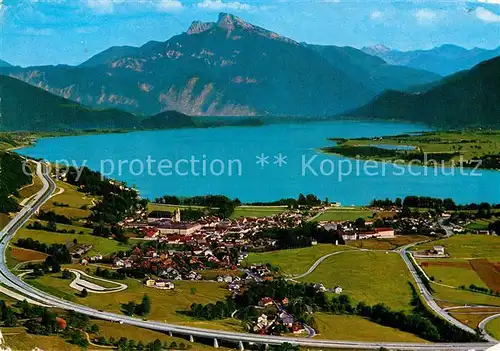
<point>50,32</point>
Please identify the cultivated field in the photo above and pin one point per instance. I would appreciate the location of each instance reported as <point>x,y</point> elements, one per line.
<point>386,244</point>
<point>451,272</point>
<point>4,219</point>
<point>342,214</point>
<point>488,273</point>
<point>295,261</point>
<point>257,211</point>
<point>467,246</point>
<point>463,297</point>
<point>372,277</point>
<point>343,327</point>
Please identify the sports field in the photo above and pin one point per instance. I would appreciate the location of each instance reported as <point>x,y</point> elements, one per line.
<point>294,261</point>
<point>372,277</point>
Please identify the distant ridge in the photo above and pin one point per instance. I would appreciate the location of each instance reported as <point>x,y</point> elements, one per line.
<point>5,64</point>
<point>27,108</point>
<point>468,98</point>
<point>225,68</point>
<point>444,60</point>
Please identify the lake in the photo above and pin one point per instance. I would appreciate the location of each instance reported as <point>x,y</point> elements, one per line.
<point>263,164</point>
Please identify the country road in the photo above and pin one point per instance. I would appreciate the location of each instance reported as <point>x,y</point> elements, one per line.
<point>14,283</point>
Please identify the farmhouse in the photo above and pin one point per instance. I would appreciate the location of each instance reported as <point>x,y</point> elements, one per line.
<point>439,250</point>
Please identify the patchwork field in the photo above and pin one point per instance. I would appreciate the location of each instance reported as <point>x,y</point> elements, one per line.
<point>488,273</point>
<point>357,328</point>
<point>451,272</point>
<point>295,261</point>
<point>386,244</point>
<point>467,246</point>
<point>372,277</point>
<point>343,214</point>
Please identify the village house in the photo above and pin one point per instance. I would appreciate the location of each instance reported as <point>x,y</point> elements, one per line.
<point>160,284</point>
<point>439,250</point>
<point>265,301</point>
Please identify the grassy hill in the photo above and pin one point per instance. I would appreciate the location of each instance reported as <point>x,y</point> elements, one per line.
<point>468,98</point>
<point>27,108</point>
<point>12,177</point>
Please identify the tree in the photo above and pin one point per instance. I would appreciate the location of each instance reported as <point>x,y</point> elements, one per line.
<point>66,274</point>
<point>52,226</point>
<point>129,308</point>
<point>84,293</point>
<point>145,305</point>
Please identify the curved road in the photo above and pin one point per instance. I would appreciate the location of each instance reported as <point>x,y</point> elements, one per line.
<point>13,282</point>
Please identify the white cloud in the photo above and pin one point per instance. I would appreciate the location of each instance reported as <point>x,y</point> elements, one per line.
<point>486,15</point>
<point>490,1</point>
<point>376,15</point>
<point>169,5</point>
<point>425,16</point>
<point>217,5</point>
<point>101,6</point>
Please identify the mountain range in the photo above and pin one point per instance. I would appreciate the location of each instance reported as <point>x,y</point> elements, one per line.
<point>225,68</point>
<point>467,98</point>
<point>25,107</point>
<point>444,60</point>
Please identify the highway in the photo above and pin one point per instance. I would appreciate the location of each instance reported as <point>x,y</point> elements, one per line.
<point>16,284</point>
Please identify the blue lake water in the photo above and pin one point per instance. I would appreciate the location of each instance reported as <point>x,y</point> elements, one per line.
<point>396,147</point>
<point>230,156</point>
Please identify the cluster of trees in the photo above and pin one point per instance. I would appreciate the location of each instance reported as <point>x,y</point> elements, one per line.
<point>7,315</point>
<point>51,216</point>
<point>220,205</point>
<point>433,203</point>
<point>58,251</point>
<point>106,231</point>
<point>50,227</point>
<point>485,161</point>
<point>12,178</point>
<point>141,309</point>
<point>107,274</point>
<point>301,236</point>
<point>495,226</point>
<point>302,200</point>
<point>480,289</point>
<point>124,344</point>
<point>117,201</point>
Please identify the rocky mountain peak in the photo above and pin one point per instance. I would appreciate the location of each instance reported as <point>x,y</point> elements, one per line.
<point>377,49</point>
<point>200,27</point>
<point>230,22</point>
